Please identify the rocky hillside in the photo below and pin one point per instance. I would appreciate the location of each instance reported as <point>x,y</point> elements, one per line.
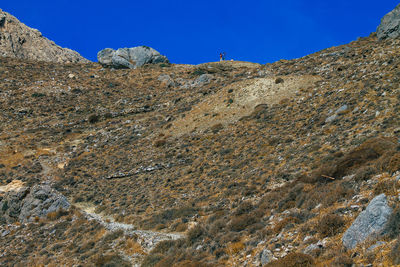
<point>19,41</point>
<point>294,163</point>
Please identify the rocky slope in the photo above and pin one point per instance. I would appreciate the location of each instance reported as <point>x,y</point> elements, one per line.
<point>294,163</point>
<point>19,41</point>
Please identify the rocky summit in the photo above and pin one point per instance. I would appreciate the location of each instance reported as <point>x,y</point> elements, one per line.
<point>390,25</point>
<point>291,163</point>
<point>19,41</point>
<point>131,58</point>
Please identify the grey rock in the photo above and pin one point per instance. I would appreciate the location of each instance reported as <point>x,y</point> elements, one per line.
<point>377,244</point>
<point>27,203</point>
<point>106,56</point>
<point>390,25</point>
<point>266,256</point>
<point>342,109</point>
<point>166,80</point>
<point>131,58</point>
<point>331,118</point>
<point>20,41</point>
<point>41,201</point>
<point>336,114</point>
<point>4,233</point>
<point>369,223</point>
<point>203,79</point>
<point>313,247</point>
<point>10,205</point>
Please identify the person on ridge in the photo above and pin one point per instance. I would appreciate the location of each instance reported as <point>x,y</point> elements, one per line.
<point>220,56</point>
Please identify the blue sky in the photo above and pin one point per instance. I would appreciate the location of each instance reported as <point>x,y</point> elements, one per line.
<point>194,32</point>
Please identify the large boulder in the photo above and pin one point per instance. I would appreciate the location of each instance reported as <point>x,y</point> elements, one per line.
<point>390,25</point>
<point>20,41</point>
<point>25,204</point>
<point>369,223</point>
<point>131,58</point>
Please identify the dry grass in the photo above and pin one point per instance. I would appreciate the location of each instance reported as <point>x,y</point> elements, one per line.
<point>330,225</point>
<point>293,260</point>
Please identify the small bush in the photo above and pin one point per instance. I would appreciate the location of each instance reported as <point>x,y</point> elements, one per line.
<point>244,208</point>
<point>182,227</point>
<point>279,80</point>
<point>199,72</point>
<point>342,260</point>
<point>236,247</point>
<point>160,143</point>
<point>293,260</point>
<point>330,225</point>
<point>108,115</point>
<point>113,235</point>
<point>151,260</point>
<point>216,128</point>
<point>217,226</point>
<point>111,260</point>
<point>392,228</point>
<point>168,215</point>
<point>38,94</point>
<point>394,163</point>
<point>241,222</point>
<point>54,215</point>
<point>163,246</point>
<point>336,192</point>
<point>283,223</point>
<point>194,234</point>
<point>93,118</point>
<point>229,237</point>
<point>395,252</point>
<point>388,187</point>
<point>368,152</point>
<point>365,173</point>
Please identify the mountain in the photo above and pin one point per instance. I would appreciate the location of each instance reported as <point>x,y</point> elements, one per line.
<point>294,163</point>
<point>19,41</point>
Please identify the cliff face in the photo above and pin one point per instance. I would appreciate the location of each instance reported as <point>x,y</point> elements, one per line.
<point>20,41</point>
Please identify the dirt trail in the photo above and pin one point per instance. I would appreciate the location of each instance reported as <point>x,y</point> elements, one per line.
<point>147,239</point>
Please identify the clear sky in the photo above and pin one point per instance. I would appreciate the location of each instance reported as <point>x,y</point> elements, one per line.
<point>194,32</point>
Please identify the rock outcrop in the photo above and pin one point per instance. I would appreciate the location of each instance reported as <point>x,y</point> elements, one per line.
<point>370,222</point>
<point>131,58</point>
<point>390,25</point>
<point>19,41</point>
<point>25,204</point>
